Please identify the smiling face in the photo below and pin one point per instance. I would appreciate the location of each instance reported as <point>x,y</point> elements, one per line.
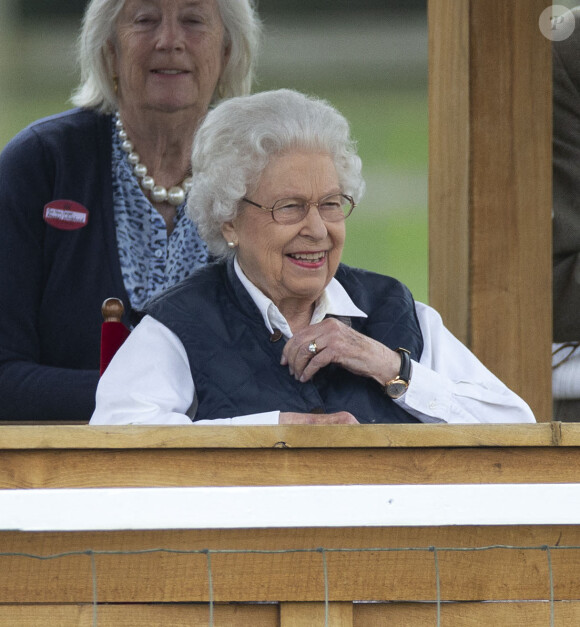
<point>169,54</point>
<point>290,263</point>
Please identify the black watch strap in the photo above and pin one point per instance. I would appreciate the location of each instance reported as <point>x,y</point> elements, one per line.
<point>405,370</point>
<point>395,388</point>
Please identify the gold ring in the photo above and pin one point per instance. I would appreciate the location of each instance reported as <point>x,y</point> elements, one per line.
<point>312,348</point>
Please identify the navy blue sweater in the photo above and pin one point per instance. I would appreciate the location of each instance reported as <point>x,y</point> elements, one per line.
<point>53,281</point>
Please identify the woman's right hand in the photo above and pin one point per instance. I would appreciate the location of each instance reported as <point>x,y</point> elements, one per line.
<point>295,418</point>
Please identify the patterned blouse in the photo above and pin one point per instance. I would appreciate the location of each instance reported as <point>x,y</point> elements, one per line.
<point>150,261</point>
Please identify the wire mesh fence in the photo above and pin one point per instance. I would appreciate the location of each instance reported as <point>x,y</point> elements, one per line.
<point>323,553</point>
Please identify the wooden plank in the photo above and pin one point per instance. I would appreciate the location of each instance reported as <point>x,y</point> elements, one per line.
<point>529,614</point>
<point>569,436</point>
<point>514,614</point>
<point>287,565</point>
<point>490,204</point>
<point>182,615</point>
<point>239,467</point>
<point>295,436</point>
<point>306,467</point>
<point>309,614</point>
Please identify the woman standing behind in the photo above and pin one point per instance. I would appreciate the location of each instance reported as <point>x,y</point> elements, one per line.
<point>92,200</point>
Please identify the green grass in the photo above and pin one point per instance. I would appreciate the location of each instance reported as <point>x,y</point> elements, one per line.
<point>390,126</point>
<point>393,244</point>
<point>19,111</point>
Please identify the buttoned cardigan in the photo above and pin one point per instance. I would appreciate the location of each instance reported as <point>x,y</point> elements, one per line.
<point>53,280</point>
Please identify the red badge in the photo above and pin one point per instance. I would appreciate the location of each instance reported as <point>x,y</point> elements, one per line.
<point>66,215</point>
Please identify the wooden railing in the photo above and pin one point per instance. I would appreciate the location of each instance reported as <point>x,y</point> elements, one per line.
<point>290,575</point>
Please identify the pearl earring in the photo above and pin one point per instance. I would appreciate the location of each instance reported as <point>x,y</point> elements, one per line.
<point>232,244</point>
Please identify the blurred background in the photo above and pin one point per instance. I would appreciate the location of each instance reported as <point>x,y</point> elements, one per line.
<point>368,58</point>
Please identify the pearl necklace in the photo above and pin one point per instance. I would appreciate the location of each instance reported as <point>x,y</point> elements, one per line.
<point>175,195</point>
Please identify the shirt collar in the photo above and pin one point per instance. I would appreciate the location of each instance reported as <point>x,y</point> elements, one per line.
<point>334,301</point>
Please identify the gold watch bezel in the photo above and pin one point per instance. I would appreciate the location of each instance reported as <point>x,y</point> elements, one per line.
<point>395,388</point>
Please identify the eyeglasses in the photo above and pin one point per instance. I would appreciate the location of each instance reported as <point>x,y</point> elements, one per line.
<point>332,208</point>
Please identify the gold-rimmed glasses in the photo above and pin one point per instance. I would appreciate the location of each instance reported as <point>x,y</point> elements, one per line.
<point>332,208</point>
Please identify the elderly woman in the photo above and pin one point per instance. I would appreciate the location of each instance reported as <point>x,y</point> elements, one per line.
<point>279,330</point>
<point>92,200</point>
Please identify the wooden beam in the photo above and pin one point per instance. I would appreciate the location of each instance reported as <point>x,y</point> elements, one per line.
<point>490,186</point>
<point>129,615</point>
<point>195,467</point>
<point>248,456</point>
<point>392,614</point>
<point>514,614</point>
<point>132,437</point>
<point>449,117</point>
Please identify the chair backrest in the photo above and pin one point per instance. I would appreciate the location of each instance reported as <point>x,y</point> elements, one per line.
<point>113,331</point>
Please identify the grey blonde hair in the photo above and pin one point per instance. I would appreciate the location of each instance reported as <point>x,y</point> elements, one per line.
<point>236,140</point>
<point>96,89</point>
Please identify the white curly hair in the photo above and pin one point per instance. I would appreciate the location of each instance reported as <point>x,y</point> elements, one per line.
<point>96,89</point>
<point>236,140</point>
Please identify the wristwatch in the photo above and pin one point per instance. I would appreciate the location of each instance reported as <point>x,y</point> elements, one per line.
<point>395,388</point>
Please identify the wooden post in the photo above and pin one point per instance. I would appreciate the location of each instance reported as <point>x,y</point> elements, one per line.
<point>490,186</point>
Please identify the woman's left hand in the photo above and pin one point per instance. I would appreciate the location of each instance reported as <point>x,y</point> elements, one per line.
<point>332,341</point>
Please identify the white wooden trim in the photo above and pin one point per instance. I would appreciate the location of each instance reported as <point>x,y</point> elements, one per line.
<point>96,509</point>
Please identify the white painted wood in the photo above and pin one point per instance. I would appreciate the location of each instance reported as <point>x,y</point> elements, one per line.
<point>288,506</point>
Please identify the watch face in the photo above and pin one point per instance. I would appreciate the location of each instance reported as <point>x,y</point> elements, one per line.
<point>395,389</point>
